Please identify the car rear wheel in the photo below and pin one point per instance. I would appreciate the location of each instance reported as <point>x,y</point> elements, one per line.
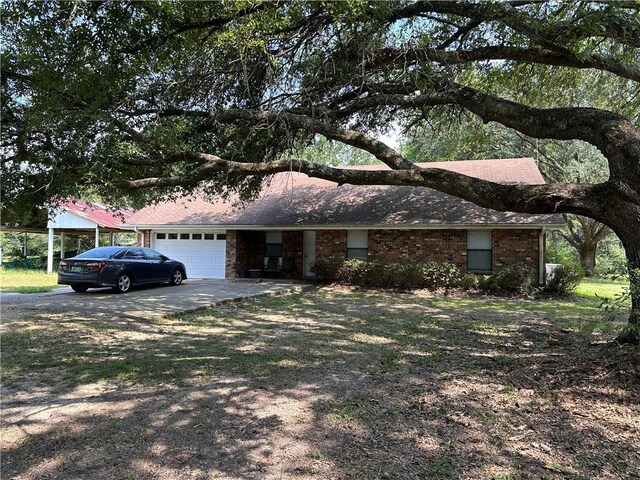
<point>123,285</point>
<point>79,288</point>
<point>176,277</point>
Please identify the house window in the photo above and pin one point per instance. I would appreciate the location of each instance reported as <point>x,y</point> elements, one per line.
<point>209,236</point>
<point>222,236</point>
<point>273,244</point>
<point>184,236</point>
<point>196,236</point>
<point>161,236</point>
<point>172,236</point>
<point>479,250</point>
<point>357,244</point>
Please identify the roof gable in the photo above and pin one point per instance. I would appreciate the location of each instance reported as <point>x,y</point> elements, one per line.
<point>92,213</point>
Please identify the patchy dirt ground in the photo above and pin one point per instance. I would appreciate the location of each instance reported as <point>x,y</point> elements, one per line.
<point>332,384</point>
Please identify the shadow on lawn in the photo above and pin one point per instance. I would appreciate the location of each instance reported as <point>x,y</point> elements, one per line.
<point>333,386</point>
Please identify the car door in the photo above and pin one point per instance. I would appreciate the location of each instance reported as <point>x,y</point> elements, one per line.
<point>160,268</point>
<point>138,265</point>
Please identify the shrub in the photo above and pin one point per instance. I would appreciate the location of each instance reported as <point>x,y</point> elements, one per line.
<point>353,272</point>
<point>438,275</point>
<point>390,274</point>
<point>509,279</point>
<point>469,281</point>
<point>326,269</point>
<point>564,279</point>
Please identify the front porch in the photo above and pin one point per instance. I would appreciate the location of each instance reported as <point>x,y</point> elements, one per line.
<point>270,254</point>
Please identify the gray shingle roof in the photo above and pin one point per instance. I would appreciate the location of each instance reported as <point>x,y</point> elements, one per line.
<point>292,199</point>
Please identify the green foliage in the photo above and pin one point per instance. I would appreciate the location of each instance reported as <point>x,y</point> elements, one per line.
<point>327,152</point>
<point>510,279</point>
<point>611,258</point>
<point>622,300</point>
<point>431,275</point>
<point>326,269</point>
<point>87,82</point>
<point>559,251</point>
<point>390,274</point>
<point>564,280</point>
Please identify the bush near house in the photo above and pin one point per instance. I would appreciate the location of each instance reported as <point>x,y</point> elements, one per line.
<point>389,274</point>
<point>510,279</point>
<point>432,275</point>
<point>564,279</point>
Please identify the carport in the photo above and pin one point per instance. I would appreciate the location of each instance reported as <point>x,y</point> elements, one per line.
<point>75,218</point>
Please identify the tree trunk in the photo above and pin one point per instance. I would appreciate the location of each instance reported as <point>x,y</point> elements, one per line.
<point>631,333</point>
<point>587,254</point>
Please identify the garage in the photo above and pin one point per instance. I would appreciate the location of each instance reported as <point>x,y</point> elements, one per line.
<point>203,253</point>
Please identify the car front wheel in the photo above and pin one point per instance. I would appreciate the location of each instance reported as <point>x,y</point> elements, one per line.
<point>176,277</point>
<point>123,284</point>
<point>79,288</point>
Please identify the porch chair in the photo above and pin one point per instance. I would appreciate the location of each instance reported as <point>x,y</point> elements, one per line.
<point>272,266</point>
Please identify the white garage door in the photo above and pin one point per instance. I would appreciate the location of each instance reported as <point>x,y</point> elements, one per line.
<point>202,253</point>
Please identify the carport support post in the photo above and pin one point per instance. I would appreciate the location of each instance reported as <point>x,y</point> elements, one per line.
<point>97,236</point>
<point>61,245</point>
<point>111,238</point>
<point>24,244</point>
<point>50,252</point>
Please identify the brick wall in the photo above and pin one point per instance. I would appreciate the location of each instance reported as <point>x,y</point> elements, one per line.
<point>419,246</point>
<point>231,254</point>
<point>331,244</point>
<point>292,244</point>
<point>245,249</point>
<point>144,238</point>
<point>512,247</point>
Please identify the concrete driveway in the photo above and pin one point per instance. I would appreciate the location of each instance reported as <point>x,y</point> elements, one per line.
<point>145,302</point>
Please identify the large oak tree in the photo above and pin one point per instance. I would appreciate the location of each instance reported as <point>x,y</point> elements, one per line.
<point>137,101</point>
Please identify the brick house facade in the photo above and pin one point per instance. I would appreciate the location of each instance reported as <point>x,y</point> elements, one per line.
<point>297,219</point>
<point>245,249</point>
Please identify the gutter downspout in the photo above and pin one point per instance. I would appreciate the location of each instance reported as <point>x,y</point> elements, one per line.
<point>541,256</point>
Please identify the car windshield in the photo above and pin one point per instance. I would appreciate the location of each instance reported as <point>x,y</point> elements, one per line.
<point>100,252</point>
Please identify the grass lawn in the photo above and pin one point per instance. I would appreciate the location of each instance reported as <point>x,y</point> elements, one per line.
<point>599,288</point>
<point>27,281</point>
<point>330,384</point>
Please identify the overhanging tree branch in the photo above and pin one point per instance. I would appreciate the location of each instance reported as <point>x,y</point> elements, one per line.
<point>534,55</point>
<point>293,121</point>
<point>554,198</point>
<point>607,23</point>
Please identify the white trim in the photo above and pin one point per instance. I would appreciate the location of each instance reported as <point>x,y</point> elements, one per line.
<point>173,229</point>
<point>308,257</point>
<point>50,251</point>
<point>541,257</point>
<point>474,226</point>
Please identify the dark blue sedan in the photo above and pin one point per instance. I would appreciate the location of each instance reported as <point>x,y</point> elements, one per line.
<point>120,268</point>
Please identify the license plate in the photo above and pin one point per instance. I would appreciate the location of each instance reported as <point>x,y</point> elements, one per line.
<point>76,269</point>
